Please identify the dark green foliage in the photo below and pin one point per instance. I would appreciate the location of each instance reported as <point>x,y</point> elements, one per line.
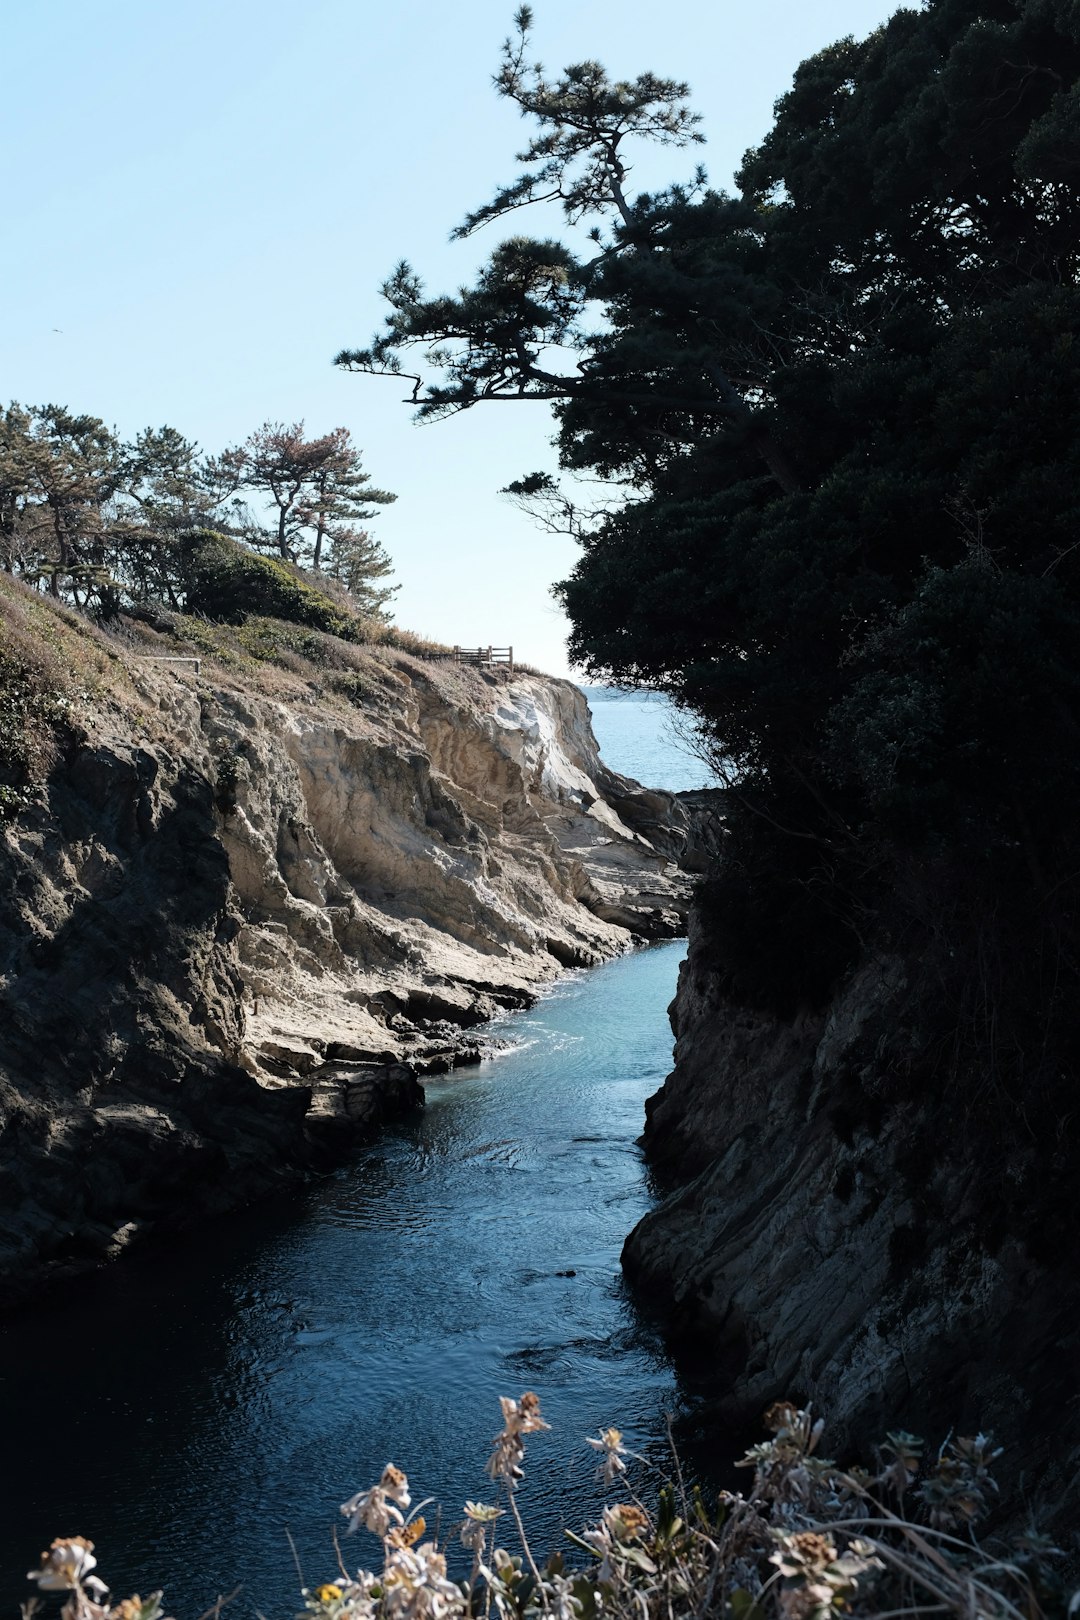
<point>357,562</point>
<point>776,924</point>
<point>969,725</point>
<point>318,495</point>
<point>227,582</point>
<point>226,777</point>
<point>106,525</point>
<point>844,408</point>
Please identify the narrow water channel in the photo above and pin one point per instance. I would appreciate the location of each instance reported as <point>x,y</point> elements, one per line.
<point>184,1407</point>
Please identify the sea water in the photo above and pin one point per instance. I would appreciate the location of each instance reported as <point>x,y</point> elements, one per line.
<point>642,735</point>
<point>202,1408</point>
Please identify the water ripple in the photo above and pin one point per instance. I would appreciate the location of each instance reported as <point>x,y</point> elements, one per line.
<point>259,1377</point>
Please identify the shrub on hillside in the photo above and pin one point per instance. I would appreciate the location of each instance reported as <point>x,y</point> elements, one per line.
<point>226,581</point>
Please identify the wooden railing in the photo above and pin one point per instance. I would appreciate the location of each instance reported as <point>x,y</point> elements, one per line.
<point>478,657</point>
<point>485,657</point>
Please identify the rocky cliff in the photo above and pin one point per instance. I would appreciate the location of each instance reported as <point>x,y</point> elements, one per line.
<point>250,899</point>
<point>842,1228</point>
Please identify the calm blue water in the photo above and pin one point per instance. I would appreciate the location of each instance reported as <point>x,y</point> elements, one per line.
<point>640,737</point>
<point>184,1406</point>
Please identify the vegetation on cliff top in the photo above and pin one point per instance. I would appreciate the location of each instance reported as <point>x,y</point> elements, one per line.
<point>60,671</point>
<point>103,524</point>
<point>155,533</point>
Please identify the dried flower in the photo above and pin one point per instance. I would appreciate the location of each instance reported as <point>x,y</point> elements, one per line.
<point>786,1551</point>
<point>957,1492</point>
<point>66,1565</point>
<point>352,1600</point>
<point>781,1415</point>
<point>519,1417</point>
<point>378,1508</point>
<point>416,1586</point>
<point>406,1535</point>
<point>618,1525</point>
<point>811,1548</point>
<point>137,1608</point>
<point>610,1443</point>
<point>626,1521</point>
<point>522,1417</point>
<point>785,1468</point>
<point>396,1485</point>
<point>818,1579</point>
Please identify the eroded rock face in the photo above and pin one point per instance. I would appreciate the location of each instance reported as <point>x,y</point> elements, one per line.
<point>240,923</point>
<point>834,1232</point>
<point>430,865</point>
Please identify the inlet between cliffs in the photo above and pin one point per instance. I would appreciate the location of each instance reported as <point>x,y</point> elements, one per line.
<point>225,1390</point>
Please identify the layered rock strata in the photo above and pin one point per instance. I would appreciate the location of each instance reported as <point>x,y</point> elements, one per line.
<point>840,1230</point>
<point>246,912</point>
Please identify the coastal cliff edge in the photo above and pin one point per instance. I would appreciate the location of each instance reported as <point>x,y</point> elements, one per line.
<point>249,902</point>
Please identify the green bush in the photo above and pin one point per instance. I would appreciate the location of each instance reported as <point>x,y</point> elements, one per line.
<point>227,582</point>
<point>274,641</point>
<point>352,686</point>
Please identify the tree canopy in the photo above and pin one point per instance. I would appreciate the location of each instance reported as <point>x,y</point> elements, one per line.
<point>841,408</point>
<point>103,523</point>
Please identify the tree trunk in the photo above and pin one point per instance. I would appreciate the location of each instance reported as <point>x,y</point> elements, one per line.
<point>320,535</point>
<point>61,550</point>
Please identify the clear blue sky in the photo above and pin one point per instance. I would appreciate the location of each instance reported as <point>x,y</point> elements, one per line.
<point>204,195</point>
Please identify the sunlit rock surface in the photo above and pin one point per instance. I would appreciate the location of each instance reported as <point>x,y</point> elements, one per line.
<point>244,915</point>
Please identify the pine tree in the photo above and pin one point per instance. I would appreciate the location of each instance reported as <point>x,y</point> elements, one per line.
<point>74,471</point>
<point>314,486</point>
<point>15,482</point>
<point>358,561</point>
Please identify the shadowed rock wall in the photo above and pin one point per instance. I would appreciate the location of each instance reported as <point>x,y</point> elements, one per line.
<point>836,1230</point>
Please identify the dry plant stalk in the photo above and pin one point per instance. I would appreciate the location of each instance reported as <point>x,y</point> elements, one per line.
<point>808,1541</point>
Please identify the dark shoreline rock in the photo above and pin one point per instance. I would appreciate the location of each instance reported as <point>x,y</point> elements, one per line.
<point>834,1231</point>
<point>80,1189</point>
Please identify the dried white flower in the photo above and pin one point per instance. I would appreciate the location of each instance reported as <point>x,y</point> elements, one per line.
<point>67,1564</point>
<point>519,1417</point>
<point>610,1443</point>
<point>396,1485</point>
<point>416,1586</point>
<point>522,1417</point>
<point>374,1510</point>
